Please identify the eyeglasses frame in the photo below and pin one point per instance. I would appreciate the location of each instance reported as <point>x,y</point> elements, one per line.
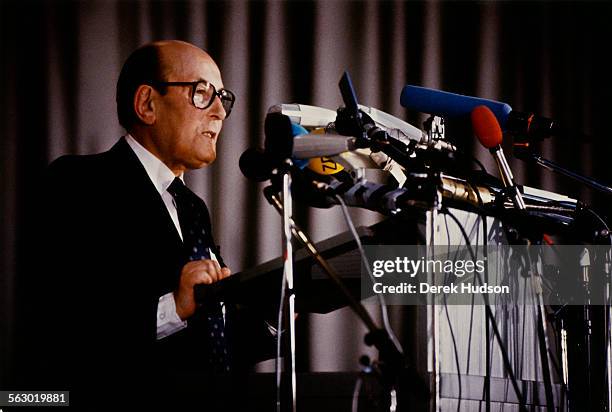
<point>194,85</point>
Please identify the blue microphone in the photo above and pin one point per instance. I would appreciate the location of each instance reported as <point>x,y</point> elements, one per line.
<point>451,105</point>
<point>445,104</point>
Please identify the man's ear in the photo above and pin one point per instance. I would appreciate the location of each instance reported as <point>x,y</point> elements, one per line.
<point>144,107</point>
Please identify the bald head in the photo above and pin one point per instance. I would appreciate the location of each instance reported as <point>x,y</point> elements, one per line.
<point>177,56</point>
<point>154,62</point>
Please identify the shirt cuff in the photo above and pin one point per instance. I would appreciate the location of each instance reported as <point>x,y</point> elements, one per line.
<point>168,321</point>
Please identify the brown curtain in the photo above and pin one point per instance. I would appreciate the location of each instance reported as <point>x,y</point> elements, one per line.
<point>60,61</point>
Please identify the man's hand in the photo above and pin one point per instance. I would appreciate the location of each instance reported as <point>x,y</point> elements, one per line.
<point>193,273</point>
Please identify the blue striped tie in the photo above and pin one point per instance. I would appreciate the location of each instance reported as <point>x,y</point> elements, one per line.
<point>191,213</point>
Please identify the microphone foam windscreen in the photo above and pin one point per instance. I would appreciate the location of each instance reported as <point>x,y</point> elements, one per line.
<point>449,105</point>
<point>278,141</point>
<point>256,165</point>
<point>486,127</point>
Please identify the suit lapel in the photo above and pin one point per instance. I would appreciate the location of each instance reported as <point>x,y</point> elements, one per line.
<point>137,186</point>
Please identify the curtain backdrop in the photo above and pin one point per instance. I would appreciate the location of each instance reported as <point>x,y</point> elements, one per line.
<point>60,61</point>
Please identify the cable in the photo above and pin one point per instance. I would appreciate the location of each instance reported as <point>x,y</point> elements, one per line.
<point>450,326</point>
<point>364,259</point>
<point>487,324</point>
<point>278,344</point>
<point>543,346</point>
<point>456,352</point>
<point>488,340</point>
<point>517,391</point>
<point>591,211</point>
<point>356,390</point>
<point>607,317</point>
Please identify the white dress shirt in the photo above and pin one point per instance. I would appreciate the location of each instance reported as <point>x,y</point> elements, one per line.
<point>168,321</point>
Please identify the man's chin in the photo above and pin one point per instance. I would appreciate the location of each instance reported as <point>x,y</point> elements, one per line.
<point>204,161</point>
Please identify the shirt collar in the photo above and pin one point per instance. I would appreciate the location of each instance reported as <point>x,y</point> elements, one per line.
<point>158,172</point>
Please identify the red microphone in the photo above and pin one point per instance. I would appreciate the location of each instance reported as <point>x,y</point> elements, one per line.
<point>489,134</point>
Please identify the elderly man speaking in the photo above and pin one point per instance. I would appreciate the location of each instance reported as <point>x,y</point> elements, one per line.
<point>125,242</point>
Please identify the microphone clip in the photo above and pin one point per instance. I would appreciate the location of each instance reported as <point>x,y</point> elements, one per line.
<point>434,126</point>
<point>353,123</point>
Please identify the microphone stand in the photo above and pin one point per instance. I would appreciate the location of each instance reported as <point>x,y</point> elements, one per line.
<point>536,279</point>
<point>272,197</point>
<point>527,155</point>
<point>393,360</point>
<point>585,265</point>
<point>608,320</point>
<point>287,281</point>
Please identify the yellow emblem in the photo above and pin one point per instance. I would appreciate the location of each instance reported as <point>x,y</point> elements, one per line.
<point>324,166</point>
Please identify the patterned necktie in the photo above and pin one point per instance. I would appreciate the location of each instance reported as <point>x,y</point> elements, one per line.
<point>192,217</point>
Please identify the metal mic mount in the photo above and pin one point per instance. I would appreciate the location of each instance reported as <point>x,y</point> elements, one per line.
<point>521,152</point>
<point>395,368</point>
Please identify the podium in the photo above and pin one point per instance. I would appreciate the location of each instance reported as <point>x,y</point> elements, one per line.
<point>438,337</point>
<point>259,287</point>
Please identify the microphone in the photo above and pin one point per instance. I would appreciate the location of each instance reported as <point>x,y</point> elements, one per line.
<point>256,164</point>
<point>321,191</point>
<point>305,115</point>
<point>451,105</point>
<point>319,117</point>
<point>317,145</point>
<point>489,134</point>
<point>283,140</point>
<point>419,192</point>
<point>404,131</point>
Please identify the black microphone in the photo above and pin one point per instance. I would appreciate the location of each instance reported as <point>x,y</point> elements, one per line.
<point>420,191</point>
<point>281,143</point>
<point>255,164</point>
<point>386,199</point>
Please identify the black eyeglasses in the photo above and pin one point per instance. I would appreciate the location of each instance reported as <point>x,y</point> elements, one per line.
<point>203,94</point>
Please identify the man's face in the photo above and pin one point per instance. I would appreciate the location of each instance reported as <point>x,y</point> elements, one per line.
<point>185,136</point>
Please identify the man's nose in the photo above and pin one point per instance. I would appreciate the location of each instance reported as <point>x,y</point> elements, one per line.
<point>217,110</point>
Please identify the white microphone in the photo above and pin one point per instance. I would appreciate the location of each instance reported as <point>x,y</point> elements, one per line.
<point>310,145</point>
<point>315,117</point>
<point>305,115</point>
<point>390,123</point>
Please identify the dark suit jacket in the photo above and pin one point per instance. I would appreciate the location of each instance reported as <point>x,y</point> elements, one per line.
<point>110,251</point>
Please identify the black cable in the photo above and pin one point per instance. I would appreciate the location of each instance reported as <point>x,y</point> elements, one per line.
<point>279,328</point>
<point>524,324</point>
<point>606,315</point>
<point>381,299</point>
<point>487,325</point>
<point>450,326</point>
<point>480,205</point>
<point>469,349</point>
<point>456,352</point>
<point>489,313</point>
<point>591,211</point>
<point>488,343</point>
<point>542,338</point>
